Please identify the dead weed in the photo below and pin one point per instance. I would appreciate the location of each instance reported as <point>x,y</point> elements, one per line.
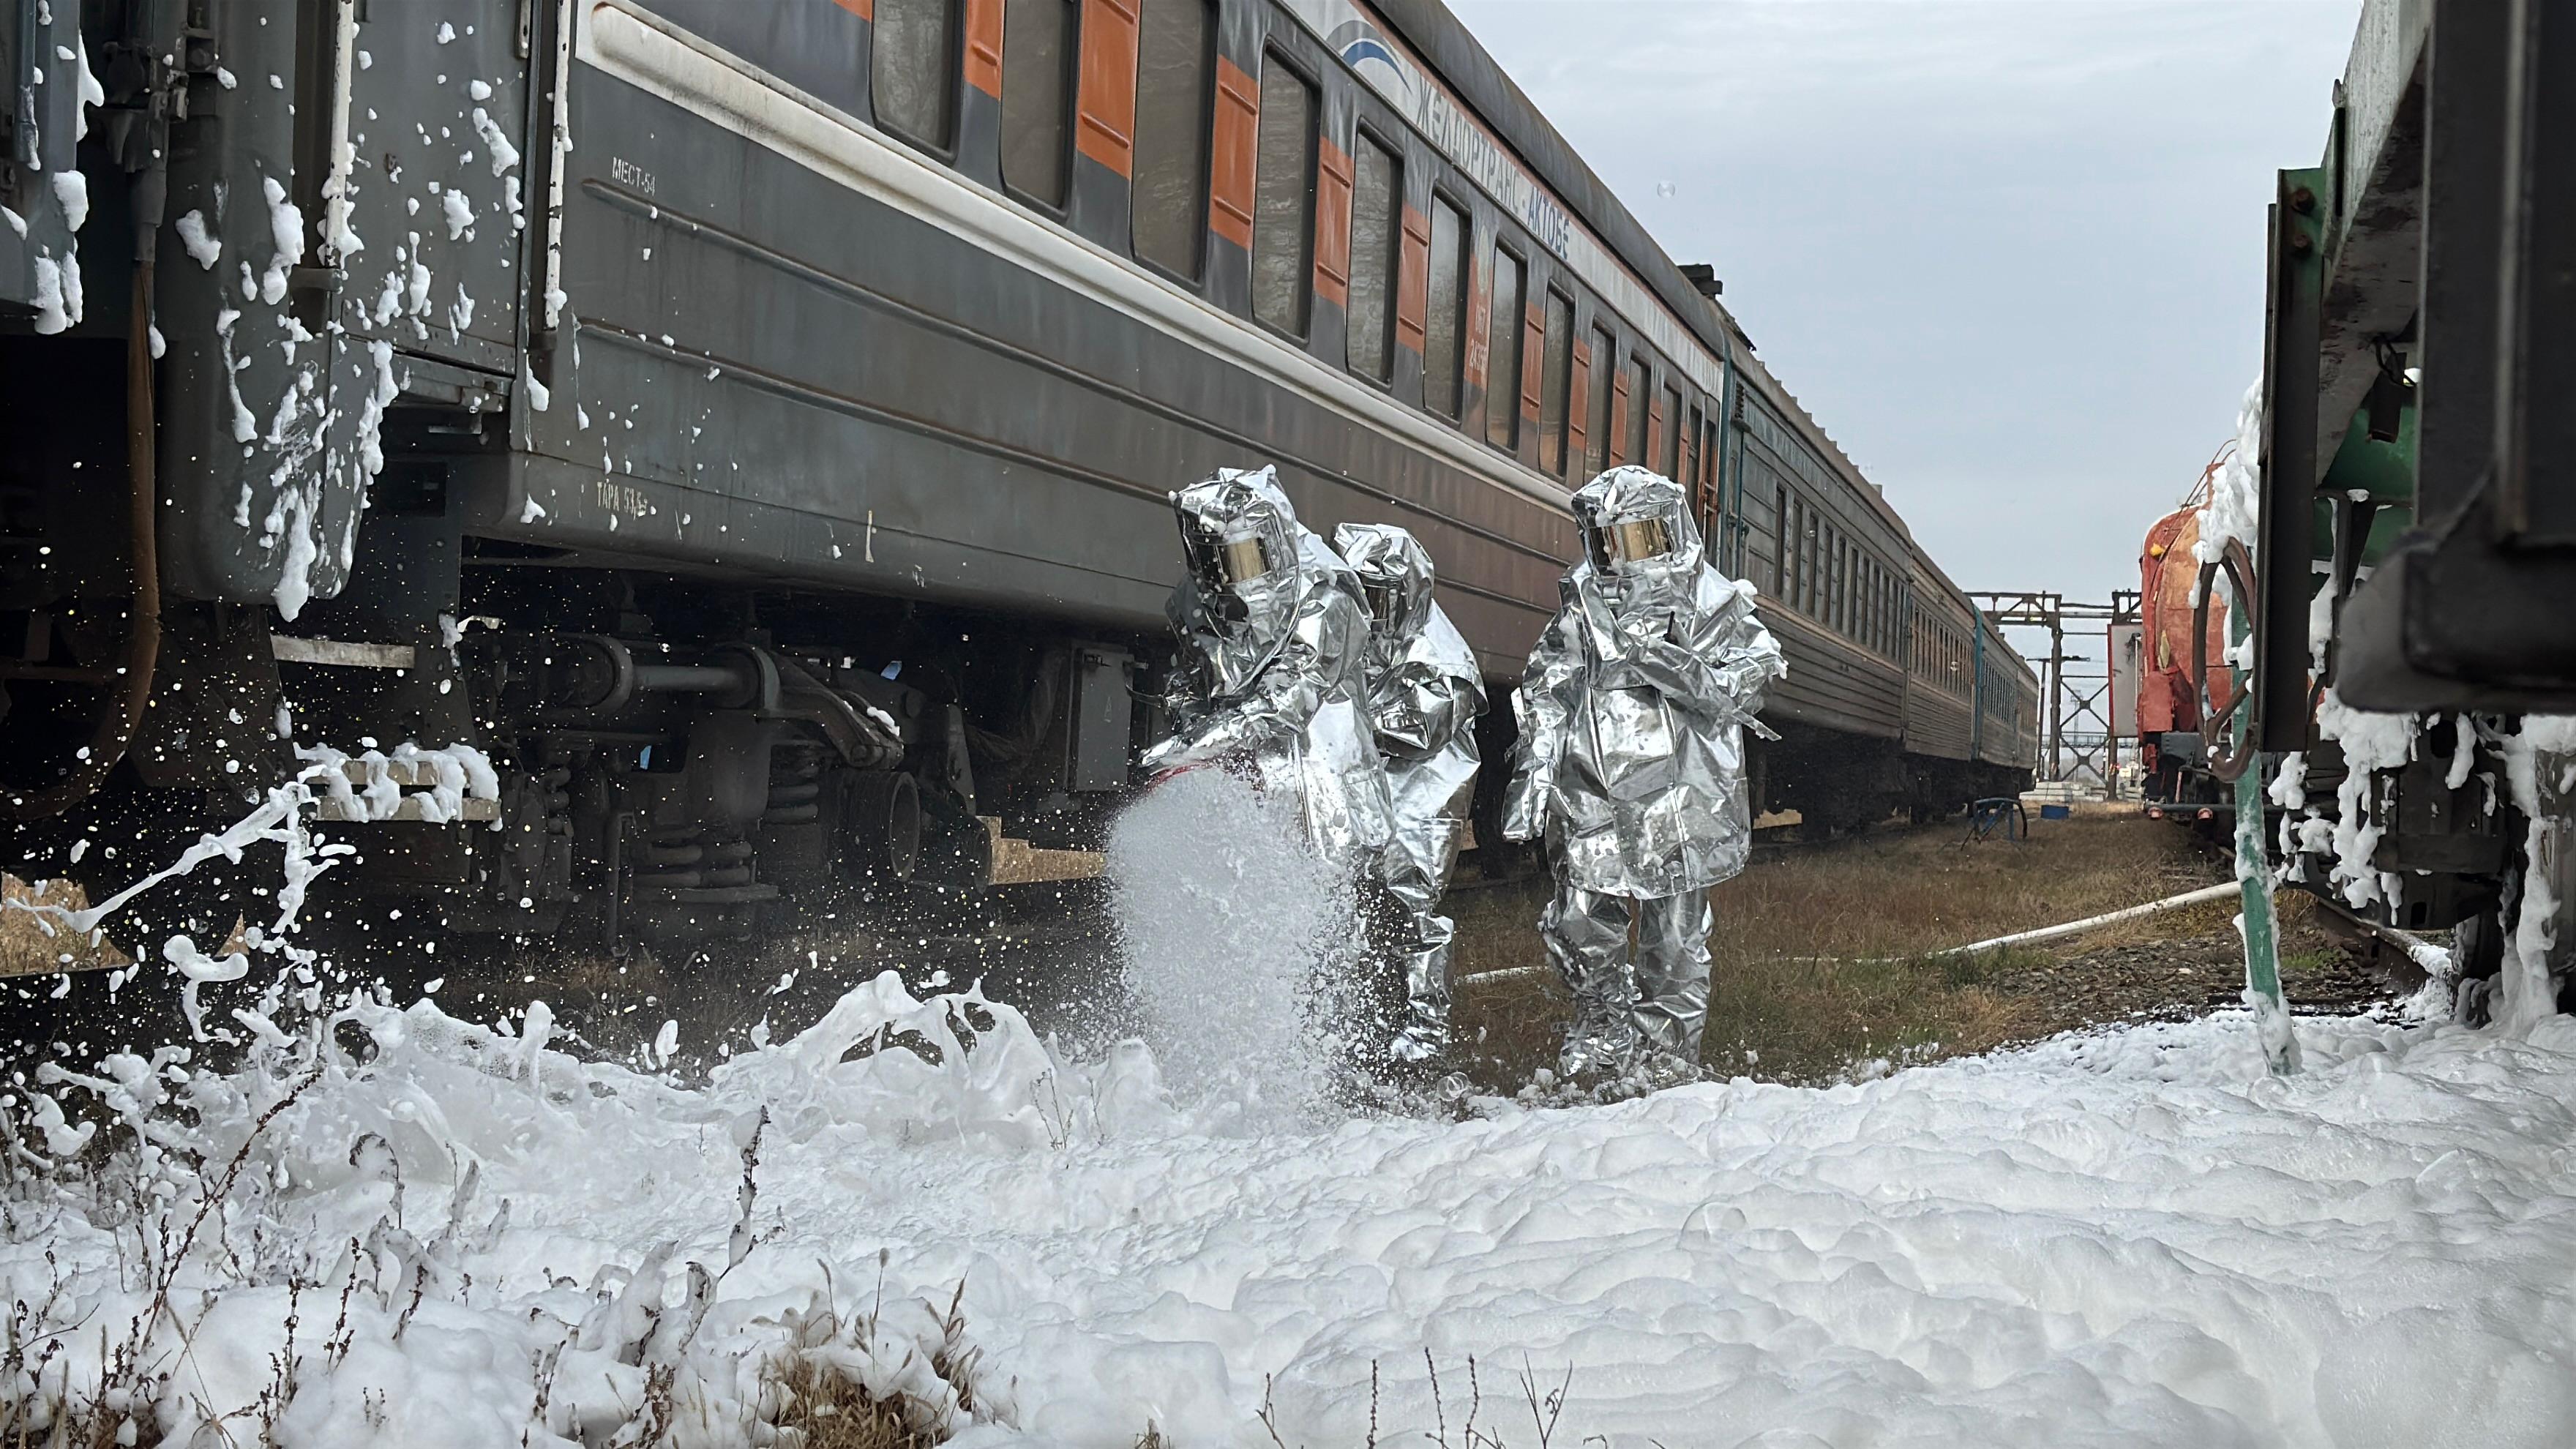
<point>1821,965</point>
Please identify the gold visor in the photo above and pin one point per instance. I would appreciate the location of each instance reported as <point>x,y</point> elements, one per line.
<point>1641,538</point>
<point>1241,559</point>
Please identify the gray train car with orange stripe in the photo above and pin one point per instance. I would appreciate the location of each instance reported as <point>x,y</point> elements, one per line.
<point>748,424</point>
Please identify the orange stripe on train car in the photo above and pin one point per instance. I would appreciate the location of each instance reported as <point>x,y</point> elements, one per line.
<point>1234,153</point>
<point>1413,281</point>
<point>984,46</point>
<point>1533,353</point>
<point>1480,329</point>
<point>1332,224</point>
<point>1105,114</point>
<point>1578,405</point>
<point>864,9</point>
<point>1618,415</point>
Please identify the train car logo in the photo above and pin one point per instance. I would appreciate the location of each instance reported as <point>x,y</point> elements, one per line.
<point>1365,51</point>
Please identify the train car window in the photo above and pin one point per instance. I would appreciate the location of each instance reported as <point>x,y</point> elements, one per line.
<point>1556,383</point>
<point>1175,66</point>
<point>1038,52</point>
<point>1283,199</point>
<point>1503,354</point>
<point>1778,582</point>
<point>1710,444</point>
<point>1637,396</point>
<point>1833,580</point>
<point>1445,336</point>
<point>1788,549</point>
<point>1845,621</point>
<point>1671,456</point>
<point>1837,598</point>
<point>1687,435</point>
<point>1842,585</point>
<point>1815,565</point>
<point>1375,196</point>
<point>1805,543</point>
<point>1799,598</point>
<point>1596,431</point>
<point>914,69</point>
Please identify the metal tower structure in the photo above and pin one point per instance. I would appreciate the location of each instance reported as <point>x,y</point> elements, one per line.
<point>2079,741</point>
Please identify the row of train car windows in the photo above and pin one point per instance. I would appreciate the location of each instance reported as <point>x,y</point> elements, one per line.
<point>1510,332</point>
<point>1793,450</point>
<point>916,67</point>
<point>1940,655</point>
<point>1833,580</point>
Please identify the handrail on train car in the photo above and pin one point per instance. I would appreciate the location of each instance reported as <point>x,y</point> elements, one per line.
<point>2227,760</point>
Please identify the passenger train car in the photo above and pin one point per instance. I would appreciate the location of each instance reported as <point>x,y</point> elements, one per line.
<point>745,427</point>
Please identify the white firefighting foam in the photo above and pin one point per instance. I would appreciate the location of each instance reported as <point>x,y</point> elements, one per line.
<point>394,1227</point>
<point>2123,1239</point>
<point>1239,947</point>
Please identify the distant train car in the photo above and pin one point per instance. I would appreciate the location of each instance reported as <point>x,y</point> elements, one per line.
<point>1900,695</point>
<point>746,427</point>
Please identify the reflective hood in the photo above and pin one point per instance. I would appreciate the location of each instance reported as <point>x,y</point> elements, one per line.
<point>1395,574</point>
<point>1637,525</point>
<point>1240,536</point>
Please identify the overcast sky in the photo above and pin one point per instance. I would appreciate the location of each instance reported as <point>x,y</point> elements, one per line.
<point>2008,252</point>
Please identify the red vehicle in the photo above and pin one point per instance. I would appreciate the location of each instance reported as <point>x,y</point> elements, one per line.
<point>2171,750</point>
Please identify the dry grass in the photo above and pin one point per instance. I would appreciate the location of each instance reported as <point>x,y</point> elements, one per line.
<point>832,1411</point>
<point>25,947</point>
<point>1818,951</point>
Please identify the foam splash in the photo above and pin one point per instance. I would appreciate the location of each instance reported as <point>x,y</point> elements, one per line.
<point>1241,948</point>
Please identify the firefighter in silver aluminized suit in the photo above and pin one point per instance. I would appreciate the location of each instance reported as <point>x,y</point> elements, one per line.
<point>1425,693</point>
<point>1273,662</point>
<point>1632,711</point>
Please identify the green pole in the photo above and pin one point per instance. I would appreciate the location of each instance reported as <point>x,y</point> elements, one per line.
<point>2254,875</point>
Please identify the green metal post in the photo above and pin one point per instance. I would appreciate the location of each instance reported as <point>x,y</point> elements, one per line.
<point>2254,874</point>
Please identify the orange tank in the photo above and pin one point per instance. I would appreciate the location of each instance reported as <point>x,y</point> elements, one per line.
<point>2167,574</point>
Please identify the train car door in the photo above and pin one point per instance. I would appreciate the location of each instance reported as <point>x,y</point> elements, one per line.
<point>439,194</point>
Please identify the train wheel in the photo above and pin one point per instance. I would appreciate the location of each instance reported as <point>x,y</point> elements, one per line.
<point>2477,955</point>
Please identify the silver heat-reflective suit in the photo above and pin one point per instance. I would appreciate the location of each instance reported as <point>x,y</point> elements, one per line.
<point>1425,694</point>
<point>1632,710</point>
<point>1274,633</point>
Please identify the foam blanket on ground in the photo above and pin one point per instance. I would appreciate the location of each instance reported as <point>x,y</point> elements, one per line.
<point>2130,1238</point>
